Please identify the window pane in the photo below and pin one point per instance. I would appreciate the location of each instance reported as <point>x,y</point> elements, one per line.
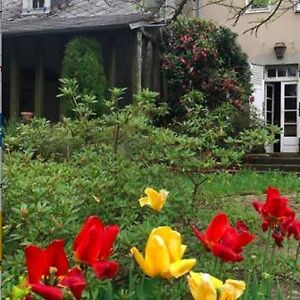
<point>271,72</point>
<point>291,90</point>
<point>269,91</point>
<point>269,105</point>
<point>259,4</point>
<point>290,130</point>
<point>38,3</point>
<point>292,71</point>
<point>290,117</point>
<point>290,103</point>
<point>269,118</point>
<point>282,72</point>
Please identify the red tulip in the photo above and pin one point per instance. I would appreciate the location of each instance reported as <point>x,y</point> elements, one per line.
<point>224,240</point>
<point>93,246</point>
<point>276,214</point>
<point>275,210</point>
<point>48,272</point>
<point>294,229</point>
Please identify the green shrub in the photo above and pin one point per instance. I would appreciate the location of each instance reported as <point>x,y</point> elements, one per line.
<point>198,55</point>
<point>83,62</point>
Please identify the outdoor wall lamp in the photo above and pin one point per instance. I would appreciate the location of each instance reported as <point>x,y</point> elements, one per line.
<point>279,49</point>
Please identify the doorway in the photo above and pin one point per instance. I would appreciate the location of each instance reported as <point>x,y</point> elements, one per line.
<point>281,105</point>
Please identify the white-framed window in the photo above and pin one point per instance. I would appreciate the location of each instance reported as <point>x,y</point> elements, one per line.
<point>282,72</point>
<point>35,6</point>
<point>38,4</point>
<point>258,6</point>
<point>297,6</point>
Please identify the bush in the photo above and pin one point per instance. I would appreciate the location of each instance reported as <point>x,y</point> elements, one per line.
<point>197,55</point>
<point>83,62</point>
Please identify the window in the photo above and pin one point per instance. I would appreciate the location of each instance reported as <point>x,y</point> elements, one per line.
<point>38,4</point>
<point>30,7</point>
<point>297,6</point>
<point>278,72</point>
<point>257,6</point>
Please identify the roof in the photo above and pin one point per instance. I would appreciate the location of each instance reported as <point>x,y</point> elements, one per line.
<point>75,15</point>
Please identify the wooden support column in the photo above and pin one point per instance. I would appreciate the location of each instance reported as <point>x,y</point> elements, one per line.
<point>112,67</point>
<point>39,83</point>
<point>147,72</point>
<point>14,92</point>
<point>137,63</point>
<point>157,70</point>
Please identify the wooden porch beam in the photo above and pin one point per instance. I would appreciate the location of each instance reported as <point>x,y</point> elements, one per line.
<point>147,72</point>
<point>137,63</point>
<point>39,83</point>
<point>14,91</point>
<point>112,68</point>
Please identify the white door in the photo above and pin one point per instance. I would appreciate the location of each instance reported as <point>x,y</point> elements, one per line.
<point>289,141</point>
<point>269,103</point>
<point>269,110</point>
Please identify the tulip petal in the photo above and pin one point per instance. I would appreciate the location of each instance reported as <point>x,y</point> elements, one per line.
<point>182,250</point>
<point>144,201</point>
<point>144,265</point>
<point>179,268</point>
<point>57,257</point>
<point>157,255</point>
<point>74,280</point>
<point>108,238</point>
<point>91,222</point>
<point>201,286</point>
<point>232,289</point>
<point>37,263</point>
<point>151,193</point>
<point>105,269</point>
<point>172,239</point>
<point>217,227</point>
<point>155,200</point>
<point>226,253</point>
<point>47,292</point>
<point>88,243</point>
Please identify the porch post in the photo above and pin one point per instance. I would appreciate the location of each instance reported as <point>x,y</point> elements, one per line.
<point>14,91</point>
<point>112,67</point>
<point>39,80</point>
<point>148,65</point>
<point>157,70</point>
<point>137,63</point>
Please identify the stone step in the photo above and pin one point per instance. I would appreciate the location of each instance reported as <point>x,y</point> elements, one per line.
<point>274,167</point>
<point>272,160</point>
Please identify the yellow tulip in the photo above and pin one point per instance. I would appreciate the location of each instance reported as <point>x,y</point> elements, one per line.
<point>203,286</point>
<point>163,254</point>
<point>206,287</point>
<point>156,200</point>
<point>232,289</point>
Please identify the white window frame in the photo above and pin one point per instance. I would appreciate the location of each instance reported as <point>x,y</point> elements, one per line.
<point>297,6</point>
<point>27,8</point>
<point>250,10</point>
<point>281,78</point>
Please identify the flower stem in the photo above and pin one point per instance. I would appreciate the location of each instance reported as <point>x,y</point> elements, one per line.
<point>294,271</point>
<point>266,250</point>
<point>215,266</point>
<point>270,268</point>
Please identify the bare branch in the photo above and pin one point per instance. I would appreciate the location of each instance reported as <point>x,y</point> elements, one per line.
<point>178,10</point>
<point>264,21</point>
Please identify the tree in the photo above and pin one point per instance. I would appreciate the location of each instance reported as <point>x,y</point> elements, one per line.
<point>197,55</point>
<point>83,62</point>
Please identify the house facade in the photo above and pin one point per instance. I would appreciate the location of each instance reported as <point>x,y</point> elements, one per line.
<point>274,56</point>
<point>35,33</point>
